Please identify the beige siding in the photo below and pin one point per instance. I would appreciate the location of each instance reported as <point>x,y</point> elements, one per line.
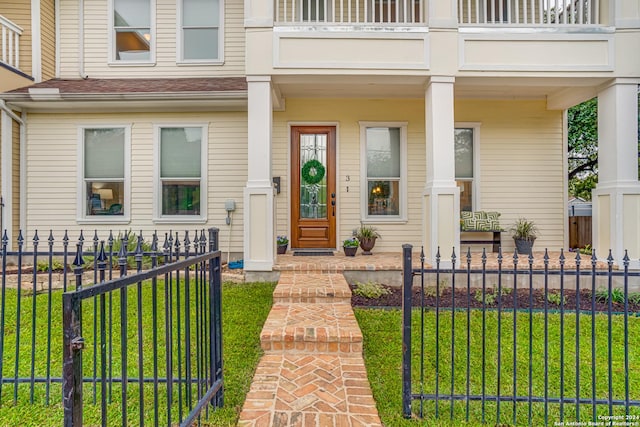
<point>48,30</point>
<point>19,12</point>
<point>53,171</point>
<point>521,162</point>
<point>96,49</point>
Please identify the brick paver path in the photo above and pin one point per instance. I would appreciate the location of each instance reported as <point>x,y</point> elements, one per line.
<point>312,373</point>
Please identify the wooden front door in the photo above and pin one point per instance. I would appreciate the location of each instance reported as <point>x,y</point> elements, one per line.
<point>313,187</point>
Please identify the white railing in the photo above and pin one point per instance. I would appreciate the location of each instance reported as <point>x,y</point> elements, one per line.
<point>332,12</point>
<point>10,42</point>
<point>529,12</point>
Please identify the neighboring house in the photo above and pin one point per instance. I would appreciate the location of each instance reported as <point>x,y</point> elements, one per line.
<point>162,111</point>
<point>27,55</point>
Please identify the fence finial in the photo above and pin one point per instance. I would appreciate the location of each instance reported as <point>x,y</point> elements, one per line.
<point>78,261</point>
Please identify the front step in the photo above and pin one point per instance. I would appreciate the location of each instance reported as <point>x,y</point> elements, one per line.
<point>311,328</point>
<point>311,288</point>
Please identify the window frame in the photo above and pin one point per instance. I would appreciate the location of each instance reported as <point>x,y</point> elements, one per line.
<point>403,184</point>
<point>81,213</point>
<point>112,38</point>
<point>180,60</point>
<point>158,217</point>
<point>475,181</point>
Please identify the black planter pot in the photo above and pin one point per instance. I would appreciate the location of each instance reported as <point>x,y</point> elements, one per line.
<point>524,246</point>
<point>350,250</point>
<point>282,249</point>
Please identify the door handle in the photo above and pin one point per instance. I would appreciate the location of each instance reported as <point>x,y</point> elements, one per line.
<point>333,207</point>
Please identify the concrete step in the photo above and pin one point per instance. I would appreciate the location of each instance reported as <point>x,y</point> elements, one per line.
<point>311,328</point>
<point>295,287</point>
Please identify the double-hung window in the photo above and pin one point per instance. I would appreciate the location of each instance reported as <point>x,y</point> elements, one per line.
<point>182,172</point>
<point>132,30</point>
<point>201,31</point>
<point>466,165</point>
<point>384,170</point>
<point>105,171</point>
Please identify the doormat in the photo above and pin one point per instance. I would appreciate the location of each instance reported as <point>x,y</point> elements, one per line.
<point>313,253</point>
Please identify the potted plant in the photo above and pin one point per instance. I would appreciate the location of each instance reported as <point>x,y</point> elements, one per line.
<point>524,233</point>
<point>350,246</point>
<point>367,236</point>
<point>282,242</point>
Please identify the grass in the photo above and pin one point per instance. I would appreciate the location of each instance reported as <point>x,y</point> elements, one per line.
<point>382,331</point>
<point>241,352</point>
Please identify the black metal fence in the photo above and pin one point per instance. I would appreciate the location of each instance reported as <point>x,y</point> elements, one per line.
<point>141,327</point>
<point>520,345</point>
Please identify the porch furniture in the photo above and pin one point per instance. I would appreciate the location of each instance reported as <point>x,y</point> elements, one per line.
<point>484,223</point>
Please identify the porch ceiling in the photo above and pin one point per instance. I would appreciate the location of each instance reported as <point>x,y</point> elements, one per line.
<point>301,86</point>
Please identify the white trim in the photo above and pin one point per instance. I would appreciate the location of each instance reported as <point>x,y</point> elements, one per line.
<point>422,34</point>
<point>6,145</point>
<point>535,36</point>
<point>36,42</point>
<point>158,218</point>
<point>565,177</point>
<point>81,71</point>
<point>180,61</point>
<point>56,14</point>
<point>22,185</point>
<point>475,126</point>
<point>402,216</point>
<point>81,216</point>
<point>112,61</point>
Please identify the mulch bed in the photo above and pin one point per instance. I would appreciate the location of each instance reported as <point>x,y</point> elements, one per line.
<point>462,301</point>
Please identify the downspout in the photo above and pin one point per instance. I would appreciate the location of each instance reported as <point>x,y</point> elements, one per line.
<point>23,172</point>
<point>83,75</point>
<point>7,157</point>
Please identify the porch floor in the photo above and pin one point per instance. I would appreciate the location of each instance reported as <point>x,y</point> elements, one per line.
<point>383,261</point>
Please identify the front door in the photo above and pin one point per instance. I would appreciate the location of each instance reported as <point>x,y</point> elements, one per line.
<point>313,184</point>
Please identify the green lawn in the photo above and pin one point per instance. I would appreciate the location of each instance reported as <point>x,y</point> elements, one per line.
<point>244,310</point>
<point>382,330</point>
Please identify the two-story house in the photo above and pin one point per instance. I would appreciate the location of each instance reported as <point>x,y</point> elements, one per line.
<point>27,55</point>
<point>397,113</point>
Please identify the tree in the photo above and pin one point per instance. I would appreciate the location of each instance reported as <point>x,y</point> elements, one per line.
<point>583,147</point>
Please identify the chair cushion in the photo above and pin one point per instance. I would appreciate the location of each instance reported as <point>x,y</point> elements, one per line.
<point>480,221</point>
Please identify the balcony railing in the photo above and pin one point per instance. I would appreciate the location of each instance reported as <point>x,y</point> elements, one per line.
<point>529,12</point>
<point>10,42</point>
<point>332,12</point>
<point>411,12</point>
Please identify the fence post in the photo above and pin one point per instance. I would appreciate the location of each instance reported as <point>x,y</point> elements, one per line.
<point>73,343</point>
<point>407,285</point>
<point>215,318</point>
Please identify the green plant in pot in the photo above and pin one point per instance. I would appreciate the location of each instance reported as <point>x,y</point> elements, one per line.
<point>350,246</point>
<point>282,242</point>
<point>524,233</point>
<point>367,236</point>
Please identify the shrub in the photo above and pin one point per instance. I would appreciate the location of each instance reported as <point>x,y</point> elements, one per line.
<point>370,290</point>
<point>554,298</point>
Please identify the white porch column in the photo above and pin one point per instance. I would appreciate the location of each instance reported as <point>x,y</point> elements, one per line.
<point>441,197</point>
<point>616,199</point>
<point>259,240</point>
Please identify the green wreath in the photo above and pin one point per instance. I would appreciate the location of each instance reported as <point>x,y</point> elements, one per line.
<point>312,172</point>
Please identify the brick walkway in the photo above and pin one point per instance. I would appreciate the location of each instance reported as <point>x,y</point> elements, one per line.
<point>312,373</point>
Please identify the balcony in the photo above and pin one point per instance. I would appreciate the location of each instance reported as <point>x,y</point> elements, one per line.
<point>538,13</point>
<point>10,43</point>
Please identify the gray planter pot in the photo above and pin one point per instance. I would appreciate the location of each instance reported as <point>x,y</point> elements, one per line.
<point>524,247</point>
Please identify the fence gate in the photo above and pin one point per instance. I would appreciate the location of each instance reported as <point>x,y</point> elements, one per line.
<point>145,348</point>
<point>519,344</point>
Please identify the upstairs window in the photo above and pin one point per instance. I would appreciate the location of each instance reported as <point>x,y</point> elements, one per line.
<point>105,171</point>
<point>201,33</point>
<point>182,165</point>
<point>132,30</point>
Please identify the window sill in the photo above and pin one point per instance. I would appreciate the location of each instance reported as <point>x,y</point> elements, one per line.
<point>382,220</point>
<point>179,220</point>
<point>216,62</point>
<point>132,64</point>
<point>104,219</point>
